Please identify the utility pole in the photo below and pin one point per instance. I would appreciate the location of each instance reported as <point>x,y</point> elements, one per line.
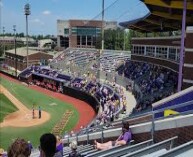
<point>27,12</point>
<point>14,29</point>
<point>3,41</point>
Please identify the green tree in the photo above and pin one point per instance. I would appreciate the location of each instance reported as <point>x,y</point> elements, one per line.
<point>118,39</point>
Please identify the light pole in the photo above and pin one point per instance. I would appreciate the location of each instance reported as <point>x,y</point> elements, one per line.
<point>27,12</point>
<point>14,30</point>
<point>3,41</point>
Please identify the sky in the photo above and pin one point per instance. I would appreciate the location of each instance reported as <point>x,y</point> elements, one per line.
<point>44,13</point>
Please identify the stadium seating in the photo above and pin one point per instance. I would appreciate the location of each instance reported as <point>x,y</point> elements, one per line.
<point>154,83</point>
<point>182,150</point>
<point>166,144</point>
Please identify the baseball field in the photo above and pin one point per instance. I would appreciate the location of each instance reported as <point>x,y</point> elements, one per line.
<point>58,110</point>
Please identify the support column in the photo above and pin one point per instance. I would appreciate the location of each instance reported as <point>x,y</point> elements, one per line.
<point>182,46</point>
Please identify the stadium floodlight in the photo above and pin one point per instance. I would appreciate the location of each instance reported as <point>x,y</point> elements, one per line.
<point>14,29</point>
<point>27,13</point>
<point>3,41</point>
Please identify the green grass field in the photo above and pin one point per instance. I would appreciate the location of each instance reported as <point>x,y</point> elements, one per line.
<point>6,107</point>
<point>29,97</point>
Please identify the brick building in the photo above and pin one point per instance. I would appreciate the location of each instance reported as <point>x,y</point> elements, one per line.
<point>18,60</point>
<point>80,33</point>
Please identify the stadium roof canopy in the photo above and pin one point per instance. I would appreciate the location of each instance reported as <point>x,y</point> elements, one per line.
<point>164,15</point>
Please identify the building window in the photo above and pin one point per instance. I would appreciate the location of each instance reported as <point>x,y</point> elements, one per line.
<point>83,40</point>
<point>89,40</point>
<point>78,40</point>
<point>150,51</point>
<point>74,30</point>
<point>172,54</point>
<point>66,31</point>
<point>178,55</point>
<point>138,50</point>
<point>161,52</point>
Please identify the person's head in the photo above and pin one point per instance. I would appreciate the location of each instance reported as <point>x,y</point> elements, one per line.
<point>1,151</point>
<point>47,145</point>
<point>58,139</point>
<point>73,145</point>
<point>125,126</point>
<point>19,148</point>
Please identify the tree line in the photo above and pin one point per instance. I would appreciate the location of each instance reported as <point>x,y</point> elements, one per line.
<point>22,35</point>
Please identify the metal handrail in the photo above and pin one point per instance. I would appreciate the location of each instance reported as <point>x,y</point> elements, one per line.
<point>174,106</point>
<point>152,113</point>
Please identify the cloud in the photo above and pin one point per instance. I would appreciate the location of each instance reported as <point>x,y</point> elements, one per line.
<point>46,12</point>
<point>38,21</point>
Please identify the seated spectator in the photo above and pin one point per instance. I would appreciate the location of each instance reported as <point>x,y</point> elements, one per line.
<point>74,153</point>
<point>19,148</point>
<point>2,153</point>
<point>30,145</point>
<point>48,145</point>
<point>59,145</point>
<point>123,139</point>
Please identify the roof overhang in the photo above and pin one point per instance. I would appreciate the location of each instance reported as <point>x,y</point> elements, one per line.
<point>164,15</point>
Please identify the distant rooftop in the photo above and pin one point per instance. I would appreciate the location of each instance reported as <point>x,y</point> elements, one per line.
<point>23,51</point>
<point>11,38</point>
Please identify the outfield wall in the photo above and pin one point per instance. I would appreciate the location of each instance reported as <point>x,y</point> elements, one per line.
<point>81,95</point>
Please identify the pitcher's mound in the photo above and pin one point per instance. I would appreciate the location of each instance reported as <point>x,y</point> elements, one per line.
<point>24,119</point>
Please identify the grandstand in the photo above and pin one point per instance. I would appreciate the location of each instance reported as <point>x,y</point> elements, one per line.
<point>84,60</point>
<point>161,120</point>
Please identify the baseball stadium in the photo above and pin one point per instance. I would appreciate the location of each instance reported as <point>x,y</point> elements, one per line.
<point>102,101</point>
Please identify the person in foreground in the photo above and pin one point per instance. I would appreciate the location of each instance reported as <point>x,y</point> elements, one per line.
<point>74,153</point>
<point>19,148</point>
<point>48,145</point>
<point>123,139</point>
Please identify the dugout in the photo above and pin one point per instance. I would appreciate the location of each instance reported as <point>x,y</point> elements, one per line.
<point>67,90</point>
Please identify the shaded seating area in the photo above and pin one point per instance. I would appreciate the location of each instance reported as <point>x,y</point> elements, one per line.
<point>154,82</point>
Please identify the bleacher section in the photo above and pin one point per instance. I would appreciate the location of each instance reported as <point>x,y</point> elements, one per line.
<point>110,60</point>
<point>165,148</point>
<point>153,82</point>
<point>185,150</point>
<point>83,60</point>
<point>172,126</point>
<point>55,81</point>
<point>150,82</point>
